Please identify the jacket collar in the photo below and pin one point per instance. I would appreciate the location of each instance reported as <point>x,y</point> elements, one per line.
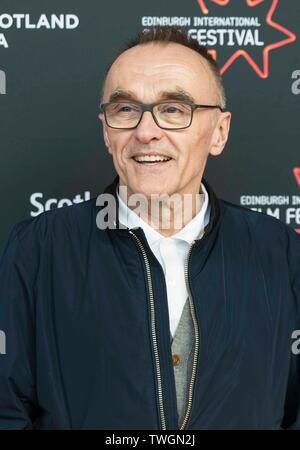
<point>213,200</point>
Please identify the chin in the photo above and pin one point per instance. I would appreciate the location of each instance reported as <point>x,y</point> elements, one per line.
<point>148,187</point>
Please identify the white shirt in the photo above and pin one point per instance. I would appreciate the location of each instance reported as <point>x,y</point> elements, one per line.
<point>171,252</point>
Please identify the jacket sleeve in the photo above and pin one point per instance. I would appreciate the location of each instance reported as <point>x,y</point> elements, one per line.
<point>292,404</point>
<point>18,404</point>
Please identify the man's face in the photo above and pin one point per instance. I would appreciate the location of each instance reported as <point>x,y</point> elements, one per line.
<point>150,73</point>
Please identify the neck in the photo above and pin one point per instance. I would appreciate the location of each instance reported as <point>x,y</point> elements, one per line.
<point>166,214</point>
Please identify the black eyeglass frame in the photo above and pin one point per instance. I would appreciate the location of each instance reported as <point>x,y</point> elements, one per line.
<point>149,107</point>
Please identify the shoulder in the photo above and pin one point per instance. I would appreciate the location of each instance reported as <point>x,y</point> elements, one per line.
<point>53,227</point>
<point>58,219</point>
<point>267,233</point>
<point>255,221</point>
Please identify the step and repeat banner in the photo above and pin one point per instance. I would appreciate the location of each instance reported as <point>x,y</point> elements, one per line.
<point>53,55</point>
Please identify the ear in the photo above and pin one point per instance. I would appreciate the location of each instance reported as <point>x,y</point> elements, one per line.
<point>105,133</point>
<point>220,134</point>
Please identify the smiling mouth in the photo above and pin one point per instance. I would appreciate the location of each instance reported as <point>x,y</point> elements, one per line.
<point>151,159</point>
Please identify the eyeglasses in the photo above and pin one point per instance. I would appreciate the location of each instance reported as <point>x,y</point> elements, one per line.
<point>168,115</point>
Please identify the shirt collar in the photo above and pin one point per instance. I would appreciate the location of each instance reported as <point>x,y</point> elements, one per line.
<point>192,230</point>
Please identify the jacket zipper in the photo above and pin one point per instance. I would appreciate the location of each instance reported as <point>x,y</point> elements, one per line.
<point>154,339</point>
<point>153,333</point>
<point>197,341</point>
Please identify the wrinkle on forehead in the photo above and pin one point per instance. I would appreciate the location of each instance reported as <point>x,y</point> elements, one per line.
<point>155,66</point>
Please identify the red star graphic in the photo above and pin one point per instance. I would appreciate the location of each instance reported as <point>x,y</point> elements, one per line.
<point>296,172</point>
<point>263,73</point>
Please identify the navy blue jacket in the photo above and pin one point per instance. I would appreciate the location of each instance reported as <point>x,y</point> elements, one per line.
<point>85,316</point>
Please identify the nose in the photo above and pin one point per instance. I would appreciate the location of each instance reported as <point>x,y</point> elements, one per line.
<point>147,129</point>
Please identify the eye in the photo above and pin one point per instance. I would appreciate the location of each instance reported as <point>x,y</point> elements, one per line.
<point>171,109</point>
<point>126,108</point>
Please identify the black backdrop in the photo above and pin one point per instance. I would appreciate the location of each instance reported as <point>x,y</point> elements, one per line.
<point>51,140</point>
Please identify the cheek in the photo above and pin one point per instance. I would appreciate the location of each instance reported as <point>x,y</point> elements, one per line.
<point>193,153</point>
<point>200,142</point>
<point>193,147</point>
<point>118,144</point>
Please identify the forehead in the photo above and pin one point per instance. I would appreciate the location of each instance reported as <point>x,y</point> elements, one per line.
<point>151,69</point>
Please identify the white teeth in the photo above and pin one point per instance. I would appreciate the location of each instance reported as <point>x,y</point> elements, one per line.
<point>151,158</point>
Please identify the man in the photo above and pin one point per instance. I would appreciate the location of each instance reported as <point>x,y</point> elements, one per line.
<point>119,318</point>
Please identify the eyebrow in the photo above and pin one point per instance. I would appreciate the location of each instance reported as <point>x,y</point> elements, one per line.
<point>179,95</point>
